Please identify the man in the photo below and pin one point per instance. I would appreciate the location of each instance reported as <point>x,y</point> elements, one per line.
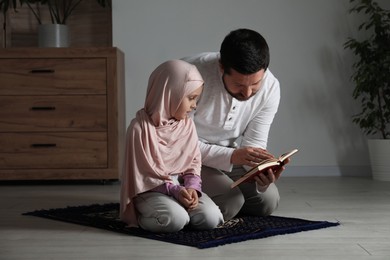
<point>233,118</point>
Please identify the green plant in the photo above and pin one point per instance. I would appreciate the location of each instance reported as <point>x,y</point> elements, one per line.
<point>60,10</point>
<point>372,69</point>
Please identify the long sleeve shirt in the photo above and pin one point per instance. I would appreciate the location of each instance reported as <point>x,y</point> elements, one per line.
<point>173,189</point>
<point>224,123</point>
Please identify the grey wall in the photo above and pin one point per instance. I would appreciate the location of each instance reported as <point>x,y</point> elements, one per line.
<point>306,42</point>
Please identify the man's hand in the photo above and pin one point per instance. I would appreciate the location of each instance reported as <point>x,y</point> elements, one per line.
<point>188,198</point>
<point>249,156</point>
<point>264,179</point>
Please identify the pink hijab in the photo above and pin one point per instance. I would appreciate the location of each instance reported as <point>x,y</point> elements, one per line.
<point>157,145</point>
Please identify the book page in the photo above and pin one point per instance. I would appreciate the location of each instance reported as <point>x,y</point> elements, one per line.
<point>286,155</point>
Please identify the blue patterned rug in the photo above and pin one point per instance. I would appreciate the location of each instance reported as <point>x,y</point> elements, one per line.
<point>239,229</point>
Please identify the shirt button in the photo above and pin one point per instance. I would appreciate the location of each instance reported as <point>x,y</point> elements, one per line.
<point>230,118</point>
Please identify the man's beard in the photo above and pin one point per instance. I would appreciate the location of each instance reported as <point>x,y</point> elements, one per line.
<point>238,96</point>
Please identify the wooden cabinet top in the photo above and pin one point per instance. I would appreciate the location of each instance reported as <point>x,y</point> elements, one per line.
<point>94,52</point>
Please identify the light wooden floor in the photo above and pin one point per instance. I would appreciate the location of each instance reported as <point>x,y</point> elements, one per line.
<point>362,206</point>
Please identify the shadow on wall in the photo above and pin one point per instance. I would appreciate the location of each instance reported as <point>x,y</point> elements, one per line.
<point>337,108</point>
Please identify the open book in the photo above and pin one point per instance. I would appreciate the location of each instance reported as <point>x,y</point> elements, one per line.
<point>263,166</point>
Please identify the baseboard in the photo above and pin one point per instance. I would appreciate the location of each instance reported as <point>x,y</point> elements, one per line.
<point>322,171</point>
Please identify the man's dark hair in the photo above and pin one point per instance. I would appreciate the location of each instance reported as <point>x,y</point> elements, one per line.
<point>245,51</point>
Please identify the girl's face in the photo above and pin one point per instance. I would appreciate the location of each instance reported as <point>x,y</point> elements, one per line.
<point>188,104</point>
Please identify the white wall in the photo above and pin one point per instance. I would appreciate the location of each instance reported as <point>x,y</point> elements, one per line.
<point>306,43</point>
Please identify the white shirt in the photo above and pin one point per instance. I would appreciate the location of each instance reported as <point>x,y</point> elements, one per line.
<point>224,123</point>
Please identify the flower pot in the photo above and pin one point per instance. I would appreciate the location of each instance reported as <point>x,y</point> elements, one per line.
<point>379,150</point>
<point>53,35</point>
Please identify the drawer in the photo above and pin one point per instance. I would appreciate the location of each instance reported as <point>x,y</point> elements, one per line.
<point>53,150</point>
<point>53,113</point>
<point>52,76</point>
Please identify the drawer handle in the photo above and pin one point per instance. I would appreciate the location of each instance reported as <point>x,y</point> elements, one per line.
<point>43,145</point>
<point>43,108</point>
<point>42,71</point>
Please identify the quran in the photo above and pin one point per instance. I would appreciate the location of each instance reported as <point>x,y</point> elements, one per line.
<point>263,166</point>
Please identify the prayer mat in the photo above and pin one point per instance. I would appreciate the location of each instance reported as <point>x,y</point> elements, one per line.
<point>238,229</point>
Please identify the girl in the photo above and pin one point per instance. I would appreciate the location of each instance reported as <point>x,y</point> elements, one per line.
<point>161,185</point>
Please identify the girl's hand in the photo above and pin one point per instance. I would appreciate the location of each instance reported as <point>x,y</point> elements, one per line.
<point>188,198</point>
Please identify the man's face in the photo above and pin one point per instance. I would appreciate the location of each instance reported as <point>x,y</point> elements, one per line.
<point>240,86</point>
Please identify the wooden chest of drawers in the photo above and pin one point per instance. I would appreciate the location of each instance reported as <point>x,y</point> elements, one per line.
<point>61,113</point>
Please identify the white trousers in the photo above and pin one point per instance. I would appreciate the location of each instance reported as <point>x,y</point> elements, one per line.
<point>243,199</point>
<point>158,212</point>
